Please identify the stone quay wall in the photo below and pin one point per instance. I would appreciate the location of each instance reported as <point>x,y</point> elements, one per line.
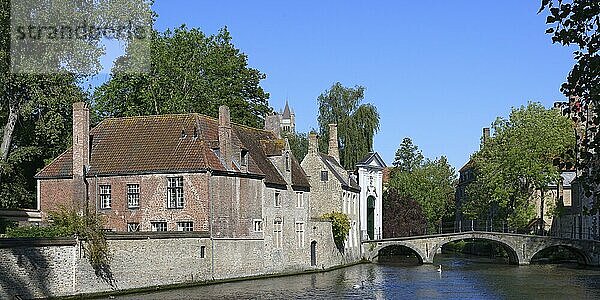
<point>43,268</point>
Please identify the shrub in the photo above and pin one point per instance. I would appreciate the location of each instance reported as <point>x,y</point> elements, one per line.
<point>340,225</point>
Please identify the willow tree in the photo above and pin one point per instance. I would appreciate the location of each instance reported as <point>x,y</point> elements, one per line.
<point>357,123</point>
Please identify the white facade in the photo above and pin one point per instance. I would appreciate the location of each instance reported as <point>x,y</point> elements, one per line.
<point>370,180</point>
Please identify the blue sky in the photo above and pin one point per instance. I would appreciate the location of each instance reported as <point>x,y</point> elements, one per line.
<point>438,71</point>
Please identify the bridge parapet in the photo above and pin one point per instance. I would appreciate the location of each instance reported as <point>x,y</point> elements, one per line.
<point>521,248</point>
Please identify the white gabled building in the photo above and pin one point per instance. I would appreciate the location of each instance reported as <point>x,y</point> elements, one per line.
<point>370,180</point>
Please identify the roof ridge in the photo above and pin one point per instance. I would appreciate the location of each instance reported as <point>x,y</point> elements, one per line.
<point>194,114</point>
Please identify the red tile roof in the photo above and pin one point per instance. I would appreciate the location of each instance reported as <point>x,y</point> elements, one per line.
<point>173,143</point>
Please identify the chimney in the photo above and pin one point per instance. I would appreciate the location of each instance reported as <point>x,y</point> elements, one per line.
<point>485,137</point>
<point>313,143</point>
<point>272,124</point>
<point>333,142</point>
<point>81,151</point>
<point>225,147</point>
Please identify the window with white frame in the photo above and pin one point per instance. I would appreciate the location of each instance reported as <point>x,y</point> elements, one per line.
<point>133,195</point>
<point>277,199</point>
<point>175,192</point>
<point>105,199</point>
<point>158,226</point>
<point>299,199</point>
<point>133,227</point>
<point>300,234</point>
<point>277,233</point>
<point>257,225</point>
<point>185,226</point>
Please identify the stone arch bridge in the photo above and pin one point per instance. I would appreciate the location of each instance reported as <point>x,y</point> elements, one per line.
<point>520,247</point>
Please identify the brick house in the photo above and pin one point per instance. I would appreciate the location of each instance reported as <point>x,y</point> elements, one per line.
<point>179,172</point>
<point>333,188</point>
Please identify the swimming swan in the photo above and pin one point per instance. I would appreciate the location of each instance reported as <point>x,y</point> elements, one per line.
<point>359,286</point>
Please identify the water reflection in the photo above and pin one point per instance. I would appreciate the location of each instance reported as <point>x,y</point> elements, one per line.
<point>461,278</point>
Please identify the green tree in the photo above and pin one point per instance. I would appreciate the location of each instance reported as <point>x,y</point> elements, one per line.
<point>35,117</point>
<point>516,161</point>
<point>408,156</point>
<point>575,23</point>
<point>357,123</point>
<point>298,143</point>
<point>190,72</point>
<point>429,182</point>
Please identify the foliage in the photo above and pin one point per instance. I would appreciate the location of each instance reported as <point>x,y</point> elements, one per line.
<point>190,72</point>
<point>402,216</point>
<point>575,23</point>
<point>429,182</point>
<point>298,143</point>
<point>35,121</point>
<point>68,223</point>
<point>340,225</point>
<point>408,156</point>
<point>515,162</point>
<point>357,123</point>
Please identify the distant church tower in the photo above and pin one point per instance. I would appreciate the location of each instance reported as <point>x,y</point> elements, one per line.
<point>281,122</point>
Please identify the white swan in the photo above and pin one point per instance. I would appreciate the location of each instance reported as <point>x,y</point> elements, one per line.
<point>358,286</point>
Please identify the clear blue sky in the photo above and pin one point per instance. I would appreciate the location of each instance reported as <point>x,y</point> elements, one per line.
<point>438,71</point>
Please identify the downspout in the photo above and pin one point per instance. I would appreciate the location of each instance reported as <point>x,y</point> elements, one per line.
<point>96,194</point>
<point>212,241</point>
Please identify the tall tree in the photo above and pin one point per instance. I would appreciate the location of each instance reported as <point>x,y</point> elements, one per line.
<point>408,156</point>
<point>429,182</point>
<point>357,123</point>
<point>575,23</point>
<point>38,82</point>
<point>190,72</point>
<point>516,161</point>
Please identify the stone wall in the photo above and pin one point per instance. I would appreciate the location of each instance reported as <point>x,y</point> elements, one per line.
<point>50,268</point>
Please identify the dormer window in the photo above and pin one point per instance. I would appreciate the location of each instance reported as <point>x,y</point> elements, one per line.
<point>287,161</point>
<point>244,157</point>
<point>195,132</point>
<point>182,134</point>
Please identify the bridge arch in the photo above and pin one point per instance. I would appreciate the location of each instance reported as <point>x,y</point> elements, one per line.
<point>422,256</point>
<point>582,256</point>
<point>511,250</point>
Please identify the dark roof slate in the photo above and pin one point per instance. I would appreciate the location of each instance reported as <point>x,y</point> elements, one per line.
<point>340,174</point>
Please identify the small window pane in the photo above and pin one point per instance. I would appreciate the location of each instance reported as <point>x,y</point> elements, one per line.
<point>185,226</point>
<point>105,197</point>
<point>133,195</point>
<point>158,226</point>
<point>324,176</point>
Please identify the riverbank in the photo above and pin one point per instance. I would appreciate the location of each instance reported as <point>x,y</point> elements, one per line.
<point>164,288</point>
<point>59,268</point>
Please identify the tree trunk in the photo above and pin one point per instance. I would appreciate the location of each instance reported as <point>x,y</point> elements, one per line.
<point>8,131</point>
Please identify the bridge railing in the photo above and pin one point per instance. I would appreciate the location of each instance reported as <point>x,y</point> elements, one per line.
<point>488,226</point>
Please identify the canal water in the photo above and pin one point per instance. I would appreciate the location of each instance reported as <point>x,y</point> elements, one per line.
<point>461,278</point>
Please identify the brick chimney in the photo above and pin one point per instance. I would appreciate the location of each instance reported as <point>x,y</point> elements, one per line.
<point>81,151</point>
<point>313,143</point>
<point>333,142</point>
<point>485,137</point>
<point>225,147</point>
